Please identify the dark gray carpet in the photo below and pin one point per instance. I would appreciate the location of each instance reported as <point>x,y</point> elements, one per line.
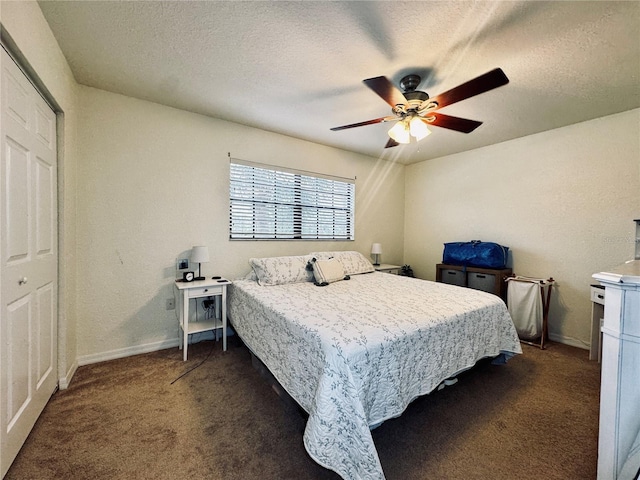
<point>534,418</point>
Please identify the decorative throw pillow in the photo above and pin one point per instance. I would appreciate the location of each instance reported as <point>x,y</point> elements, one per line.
<point>327,271</point>
<point>353,263</point>
<point>281,270</point>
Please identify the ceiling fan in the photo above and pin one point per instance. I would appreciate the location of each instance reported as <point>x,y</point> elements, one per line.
<point>413,110</point>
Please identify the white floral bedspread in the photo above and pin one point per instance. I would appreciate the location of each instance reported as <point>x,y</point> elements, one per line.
<point>357,352</point>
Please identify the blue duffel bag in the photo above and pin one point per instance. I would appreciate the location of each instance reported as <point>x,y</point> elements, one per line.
<point>475,254</point>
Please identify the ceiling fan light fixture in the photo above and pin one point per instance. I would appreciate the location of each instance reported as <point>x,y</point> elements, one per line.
<point>418,128</point>
<point>414,110</point>
<point>400,132</point>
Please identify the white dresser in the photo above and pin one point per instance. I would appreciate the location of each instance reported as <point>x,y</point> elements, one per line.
<point>619,437</point>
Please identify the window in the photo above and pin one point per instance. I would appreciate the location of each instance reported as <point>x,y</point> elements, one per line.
<point>266,203</point>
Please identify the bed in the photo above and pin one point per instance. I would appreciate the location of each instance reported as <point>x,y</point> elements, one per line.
<point>356,351</point>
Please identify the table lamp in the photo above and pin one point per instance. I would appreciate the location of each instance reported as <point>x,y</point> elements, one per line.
<point>199,255</point>
<point>376,249</point>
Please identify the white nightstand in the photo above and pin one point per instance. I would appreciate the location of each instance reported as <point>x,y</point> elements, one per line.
<point>199,289</point>
<point>386,268</point>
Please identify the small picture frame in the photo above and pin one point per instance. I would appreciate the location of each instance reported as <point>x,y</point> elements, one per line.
<point>182,265</point>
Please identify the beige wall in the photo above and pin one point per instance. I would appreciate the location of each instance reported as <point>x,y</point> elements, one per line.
<point>564,201</point>
<point>25,24</point>
<point>153,182</point>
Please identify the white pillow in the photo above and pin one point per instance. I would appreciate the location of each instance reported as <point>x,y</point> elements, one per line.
<point>327,271</point>
<point>281,270</point>
<point>352,262</point>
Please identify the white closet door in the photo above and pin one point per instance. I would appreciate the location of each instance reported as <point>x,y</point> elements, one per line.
<point>28,251</point>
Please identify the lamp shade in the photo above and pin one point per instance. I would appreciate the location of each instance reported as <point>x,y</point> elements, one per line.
<point>376,249</point>
<point>200,254</point>
<point>418,128</point>
<point>400,132</point>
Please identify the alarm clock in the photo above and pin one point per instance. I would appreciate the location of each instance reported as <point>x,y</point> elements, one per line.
<point>187,276</point>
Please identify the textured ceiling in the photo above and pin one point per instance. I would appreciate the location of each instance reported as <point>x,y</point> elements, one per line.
<point>296,68</point>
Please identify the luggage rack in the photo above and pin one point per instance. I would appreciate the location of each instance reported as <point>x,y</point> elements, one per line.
<point>545,295</point>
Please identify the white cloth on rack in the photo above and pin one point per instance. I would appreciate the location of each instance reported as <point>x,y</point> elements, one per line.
<point>525,306</point>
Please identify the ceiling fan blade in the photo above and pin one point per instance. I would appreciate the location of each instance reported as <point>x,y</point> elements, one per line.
<point>458,124</point>
<point>362,124</point>
<point>490,80</point>
<point>391,143</point>
<point>386,90</point>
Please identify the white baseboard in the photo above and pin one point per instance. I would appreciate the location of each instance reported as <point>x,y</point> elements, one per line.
<point>65,381</point>
<point>146,348</point>
<point>127,352</point>
<point>572,342</point>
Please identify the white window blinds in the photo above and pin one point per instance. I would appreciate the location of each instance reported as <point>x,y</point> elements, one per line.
<point>266,203</point>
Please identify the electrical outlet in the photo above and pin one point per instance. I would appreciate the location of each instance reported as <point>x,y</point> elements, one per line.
<point>171,304</point>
